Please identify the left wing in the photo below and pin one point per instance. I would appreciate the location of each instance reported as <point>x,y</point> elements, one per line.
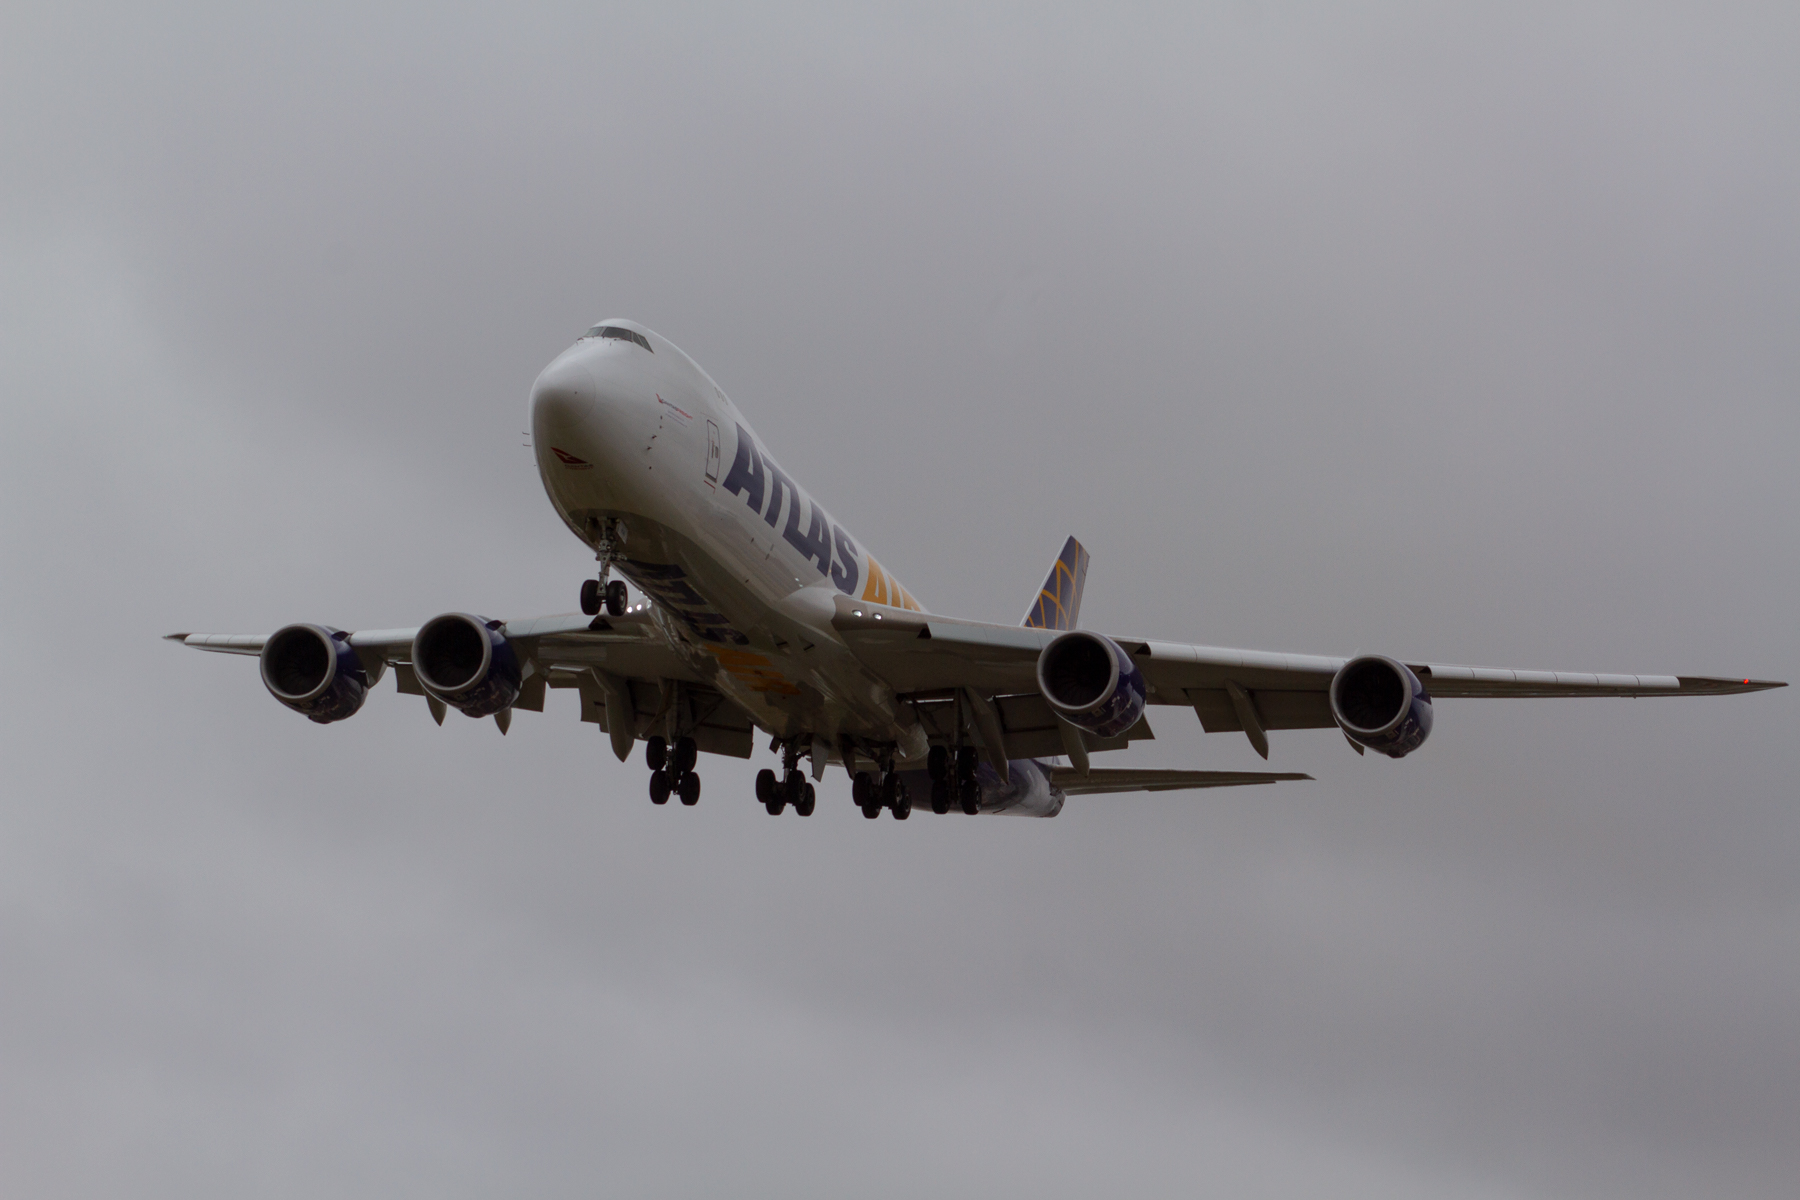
<point>919,653</point>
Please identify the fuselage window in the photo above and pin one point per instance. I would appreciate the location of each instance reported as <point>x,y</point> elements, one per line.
<point>624,335</point>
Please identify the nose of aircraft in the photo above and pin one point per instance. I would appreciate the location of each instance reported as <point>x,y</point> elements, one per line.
<point>562,395</point>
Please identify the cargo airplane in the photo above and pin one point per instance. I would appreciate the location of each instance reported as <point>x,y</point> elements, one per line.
<point>761,615</point>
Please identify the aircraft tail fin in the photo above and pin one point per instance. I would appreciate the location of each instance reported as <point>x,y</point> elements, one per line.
<point>1058,602</point>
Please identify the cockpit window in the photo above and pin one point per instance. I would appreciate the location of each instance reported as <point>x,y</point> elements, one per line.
<point>624,335</point>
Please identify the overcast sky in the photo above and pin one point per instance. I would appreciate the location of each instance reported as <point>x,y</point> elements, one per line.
<point>1460,335</point>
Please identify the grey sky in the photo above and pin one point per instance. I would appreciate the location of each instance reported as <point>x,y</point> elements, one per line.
<point>1465,335</point>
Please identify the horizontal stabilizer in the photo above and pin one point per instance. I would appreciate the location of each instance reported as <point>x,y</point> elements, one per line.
<point>1104,780</point>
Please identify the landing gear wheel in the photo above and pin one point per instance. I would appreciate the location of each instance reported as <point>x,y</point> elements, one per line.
<point>862,789</point>
<point>871,811</point>
<point>970,796</point>
<point>685,755</point>
<point>689,789</point>
<point>615,598</point>
<point>765,786</point>
<point>940,797</point>
<point>805,807</point>
<point>660,786</point>
<point>656,754</point>
<point>937,763</point>
<point>590,597</point>
<point>902,804</point>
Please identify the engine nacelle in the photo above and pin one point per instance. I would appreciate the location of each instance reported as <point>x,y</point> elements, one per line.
<point>466,662</point>
<point>1092,683</point>
<point>1381,704</point>
<point>313,670</point>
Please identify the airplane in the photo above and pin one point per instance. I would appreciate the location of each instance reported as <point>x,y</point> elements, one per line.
<point>761,615</point>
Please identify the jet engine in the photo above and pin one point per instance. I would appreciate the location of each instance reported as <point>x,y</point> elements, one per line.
<point>1381,704</point>
<point>313,670</point>
<point>1092,683</point>
<point>466,662</point>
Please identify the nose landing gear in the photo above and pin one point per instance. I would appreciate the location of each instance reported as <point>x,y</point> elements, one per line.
<point>598,593</point>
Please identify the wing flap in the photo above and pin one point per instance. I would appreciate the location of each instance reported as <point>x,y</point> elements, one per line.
<point>1113,780</point>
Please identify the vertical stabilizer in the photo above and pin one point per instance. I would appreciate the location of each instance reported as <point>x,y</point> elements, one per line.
<point>1058,603</point>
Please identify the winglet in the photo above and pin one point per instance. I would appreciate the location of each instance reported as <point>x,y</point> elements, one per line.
<point>1058,603</point>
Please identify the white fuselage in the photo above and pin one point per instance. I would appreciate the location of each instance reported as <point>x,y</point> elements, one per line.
<point>741,564</point>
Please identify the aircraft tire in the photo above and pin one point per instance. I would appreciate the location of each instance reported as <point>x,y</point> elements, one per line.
<point>660,786</point>
<point>862,789</point>
<point>656,754</point>
<point>871,811</point>
<point>937,763</point>
<point>805,805</point>
<point>686,754</point>
<point>940,797</point>
<point>590,597</point>
<point>765,785</point>
<point>902,804</point>
<point>615,598</point>
<point>689,788</point>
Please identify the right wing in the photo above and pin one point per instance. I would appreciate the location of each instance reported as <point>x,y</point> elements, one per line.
<point>1110,780</point>
<point>618,664</point>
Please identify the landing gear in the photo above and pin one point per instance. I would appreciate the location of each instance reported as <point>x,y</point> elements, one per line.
<point>672,770</point>
<point>968,791</point>
<point>940,797</point>
<point>598,593</point>
<point>872,794</point>
<point>793,790</point>
<point>937,763</point>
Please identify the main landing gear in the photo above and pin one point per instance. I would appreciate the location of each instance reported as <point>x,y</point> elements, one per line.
<point>873,793</point>
<point>612,596</point>
<point>953,779</point>
<point>672,770</point>
<point>791,788</point>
